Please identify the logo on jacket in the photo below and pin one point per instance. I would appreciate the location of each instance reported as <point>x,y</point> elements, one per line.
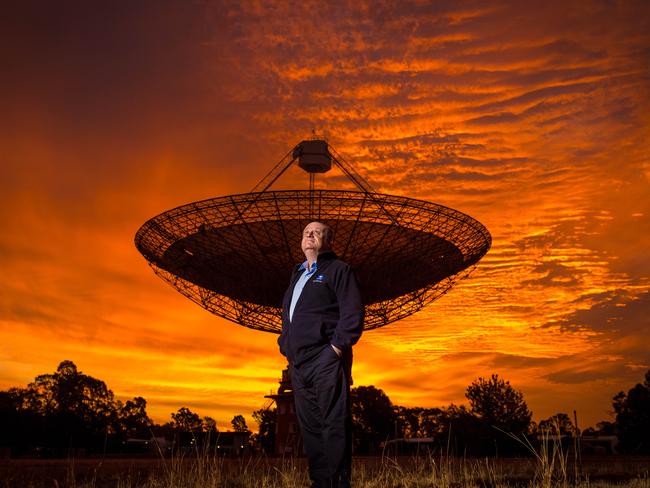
<point>320,279</point>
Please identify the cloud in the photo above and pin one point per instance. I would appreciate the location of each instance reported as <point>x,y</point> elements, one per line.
<point>615,312</point>
<point>533,121</point>
<point>581,375</point>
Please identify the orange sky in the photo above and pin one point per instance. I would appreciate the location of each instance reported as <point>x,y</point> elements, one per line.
<point>535,122</point>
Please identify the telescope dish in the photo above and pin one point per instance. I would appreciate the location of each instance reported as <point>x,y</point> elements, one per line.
<point>234,255</point>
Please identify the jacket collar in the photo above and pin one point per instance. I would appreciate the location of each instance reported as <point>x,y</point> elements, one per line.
<point>326,256</point>
<point>322,258</point>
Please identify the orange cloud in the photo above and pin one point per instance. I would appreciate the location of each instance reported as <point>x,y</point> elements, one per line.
<point>534,122</point>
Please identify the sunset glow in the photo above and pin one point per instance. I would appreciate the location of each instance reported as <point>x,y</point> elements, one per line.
<point>536,122</point>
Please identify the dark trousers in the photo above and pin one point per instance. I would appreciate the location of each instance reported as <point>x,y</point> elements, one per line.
<point>321,389</point>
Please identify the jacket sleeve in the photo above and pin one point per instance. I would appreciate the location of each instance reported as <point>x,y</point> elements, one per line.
<point>350,324</point>
<point>282,336</point>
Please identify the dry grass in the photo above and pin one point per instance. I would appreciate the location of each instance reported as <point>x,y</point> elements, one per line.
<point>414,472</point>
<point>548,467</point>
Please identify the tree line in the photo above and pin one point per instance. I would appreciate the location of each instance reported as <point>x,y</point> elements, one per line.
<point>494,423</point>
<point>71,410</point>
<point>68,409</point>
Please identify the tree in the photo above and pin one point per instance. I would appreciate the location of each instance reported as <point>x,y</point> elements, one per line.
<point>78,410</point>
<point>133,418</point>
<point>265,418</point>
<point>239,424</point>
<point>633,418</point>
<point>606,428</point>
<point>189,429</point>
<point>187,421</point>
<point>496,402</point>
<point>499,406</point>
<point>18,427</point>
<point>69,409</point>
<point>431,424</point>
<point>418,422</point>
<point>408,421</point>
<point>210,425</point>
<point>68,390</point>
<point>373,418</point>
<point>459,432</point>
<point>558,424</point>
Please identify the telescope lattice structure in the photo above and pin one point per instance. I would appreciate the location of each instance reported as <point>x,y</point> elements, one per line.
<point>233,255</point>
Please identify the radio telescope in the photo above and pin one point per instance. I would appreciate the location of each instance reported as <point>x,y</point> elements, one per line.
<point>234,254</point>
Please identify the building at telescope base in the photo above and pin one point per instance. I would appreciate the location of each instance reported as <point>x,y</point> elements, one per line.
<point>288,440</point>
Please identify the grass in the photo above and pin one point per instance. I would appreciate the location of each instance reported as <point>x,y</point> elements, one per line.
<point>386,472</point>
<point>548,467</point>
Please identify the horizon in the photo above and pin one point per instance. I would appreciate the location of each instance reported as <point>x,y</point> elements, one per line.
<point>532,121</point>
<point>271,404</point>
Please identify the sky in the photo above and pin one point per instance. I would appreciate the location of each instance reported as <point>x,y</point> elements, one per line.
<point>533,119</point>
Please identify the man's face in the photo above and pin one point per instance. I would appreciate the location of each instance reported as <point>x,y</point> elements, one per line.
<point>314,238</point>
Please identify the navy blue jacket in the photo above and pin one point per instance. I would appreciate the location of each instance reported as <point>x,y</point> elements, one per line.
<point>329,311</point>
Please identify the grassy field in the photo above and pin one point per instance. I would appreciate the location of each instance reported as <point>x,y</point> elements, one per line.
<point>372,472</point>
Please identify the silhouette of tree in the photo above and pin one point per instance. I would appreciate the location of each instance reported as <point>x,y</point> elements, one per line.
<point>459,432</point>
<point>606,428</point>
<point>430,422</point>
<point>603,427</point>
<point>408,421</point>
<point>133,418</point>
<point>210,425</point>
<point>265,418</point>
<point>188,428</point>
<point>558,424</point>
<point>70,391</point>
<point>187,421</point>
<point>633,418</point>
<point>76,409</point>
<point>496,402</point>
<point>239,424</point>
<point>19,428</point>
<point>498,405</point>
<point>373,418</point>
<point>69,409</point>
<point>419,422</point>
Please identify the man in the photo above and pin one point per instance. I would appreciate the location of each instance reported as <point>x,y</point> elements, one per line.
<point>322,318</point>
